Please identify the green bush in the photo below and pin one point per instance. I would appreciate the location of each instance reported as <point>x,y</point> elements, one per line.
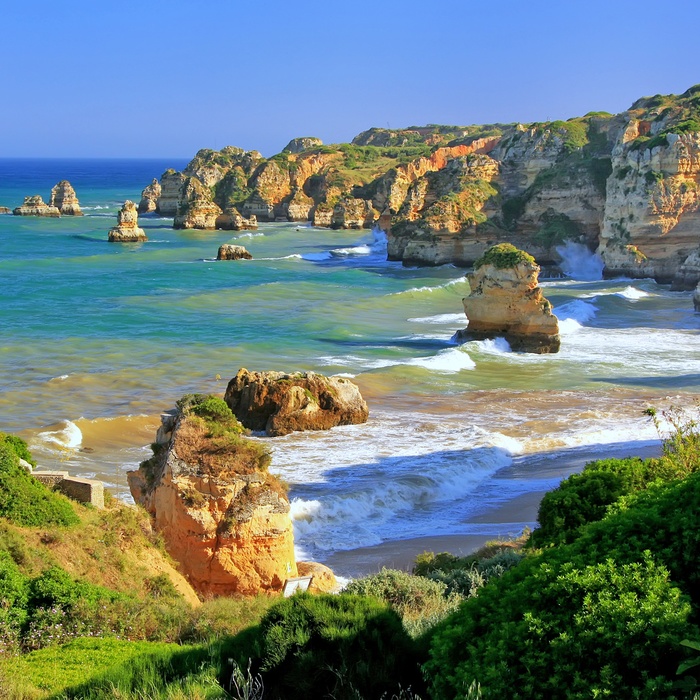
<point>565,630</point>
<point>503,255</point>
<point>24,500</point>
<point>421,602</point>
<point>19,447</point>
<point>341,646</point>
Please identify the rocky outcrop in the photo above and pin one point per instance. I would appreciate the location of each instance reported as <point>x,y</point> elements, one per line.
<point>280,403</point>
<point>505,301</point>
<point>223,517</point>
<point>35,206</point>
<point>149,197</point>
<point>5,210</point>
<point>229,251</point>
<point>171,184</point>
<point>302,143</point>
<point>354,213</point>
<point>63,197</point>
<point>196,209</point>
<point>127,229</point>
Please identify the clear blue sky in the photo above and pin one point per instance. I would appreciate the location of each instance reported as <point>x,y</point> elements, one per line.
<point>167,77</point>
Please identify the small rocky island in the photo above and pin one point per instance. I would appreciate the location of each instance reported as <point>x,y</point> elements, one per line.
<point>127,229</point>
<point>280,403</point>
<point>34,205</point>
<point>63,202</point>
<point>228,251</point>
<point>506,301</point>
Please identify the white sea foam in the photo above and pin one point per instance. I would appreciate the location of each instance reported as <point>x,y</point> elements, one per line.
<point>415,290</point>
<point>578,262</point>
<point>69,436</point>
<point>632,293</point>
<point>451,360</point>
<point>495,346</point>
<point>249,234</point>
<point>293,256</point>
<point>440,319</point>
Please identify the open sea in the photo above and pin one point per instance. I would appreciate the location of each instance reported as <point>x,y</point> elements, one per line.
<point>98,338</point>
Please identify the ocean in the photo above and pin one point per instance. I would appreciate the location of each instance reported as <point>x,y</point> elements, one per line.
<point>99,338</point>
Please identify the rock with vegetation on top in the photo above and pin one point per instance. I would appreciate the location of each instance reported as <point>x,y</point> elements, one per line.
<point>127,229</point>
<point>505,301</point>
<point>35,206</point>
<point>280,403</point>
<point>228,251</point>
<point>302,143</point>
<point>149,197</point>
<point>63,197</point>
<point>223,517</point>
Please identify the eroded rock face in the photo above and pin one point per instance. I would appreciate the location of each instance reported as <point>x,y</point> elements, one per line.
<point>149,197</point>
<point>171,184</point>
<point>280,403</point>
<point>302,143</point>
<point>35,206</point>
<point>127,229</point>
<point>352,212</point>
<point>507,302</point>
<point>196,209</point>
<point>224,519</point>
<point>63,197</point>
<point>229,251</point>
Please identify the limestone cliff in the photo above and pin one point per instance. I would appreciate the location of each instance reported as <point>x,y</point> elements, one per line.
<point>302,143</point>
<point>127,229</point>
<point>63,197</point>
<point>171,184</point>
<point>505,300</point>
<point>280,403</point>
<point>149,197</point>
<point>223,517</point>
<point>34,205</point>
<point>196,208</point>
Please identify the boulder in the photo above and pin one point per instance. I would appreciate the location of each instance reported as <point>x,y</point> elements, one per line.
<point>323,579</point>
<point>505,301</point>
<point>149,197</point>
<point>229,251</point>
<point>35,206</point>
<point>127,229</point>
<point>63,197</point>
<point>280,403</point>
<point>223,517</point>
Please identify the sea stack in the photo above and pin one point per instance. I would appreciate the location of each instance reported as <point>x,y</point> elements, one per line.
<point>63,197</point>
<point>229,251</point>
<point>505,301</point>
<point>127,229</point>
<point>149,197</point>
<point>35,206</point>
<point>280,403</point>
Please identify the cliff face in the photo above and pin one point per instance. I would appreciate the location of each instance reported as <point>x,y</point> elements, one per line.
<point>222,516</point>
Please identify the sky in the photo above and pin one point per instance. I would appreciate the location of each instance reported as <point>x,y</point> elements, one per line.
<point>164,78</point>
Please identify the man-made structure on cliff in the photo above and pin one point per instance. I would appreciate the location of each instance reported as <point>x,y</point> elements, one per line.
<point>505,301</point>
<point>280,403</point>
<point>228,251</point>
<point>626,185</point>
<point>34,205</point>
<point>81,490</point>
<point>63,197</point>
<point>127,229</point>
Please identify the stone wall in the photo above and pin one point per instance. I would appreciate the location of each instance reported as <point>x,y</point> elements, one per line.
<point>81,490</point>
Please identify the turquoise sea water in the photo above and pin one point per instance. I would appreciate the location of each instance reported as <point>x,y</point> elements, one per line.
<point>97,338</point>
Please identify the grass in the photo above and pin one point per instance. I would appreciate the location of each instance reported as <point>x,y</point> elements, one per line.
<point>502,256</point>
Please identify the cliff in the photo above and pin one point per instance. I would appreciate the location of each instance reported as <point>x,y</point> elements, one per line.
<point>223,517</point>
<point>625,185</point>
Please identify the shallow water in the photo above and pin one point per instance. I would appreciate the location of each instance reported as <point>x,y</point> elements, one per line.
<point>99,338</point>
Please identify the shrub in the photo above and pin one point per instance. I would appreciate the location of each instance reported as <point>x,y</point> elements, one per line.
<point>24,500</point>
<point>565,630</point>
<point>19,447</point>
<point>503,255</point>
<point>421,602</point>
<point>340,646</point>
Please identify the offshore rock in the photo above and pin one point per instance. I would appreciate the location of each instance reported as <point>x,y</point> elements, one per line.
<point>302,143</point>
<point>505,301</point>
<point>127,229</point>
<point>5,210</point>
<point>63,197</point>
<point>229,251</point>
<point>280,403</point>
<point>149,197</point>
<point>35,206</point>
<point>223,518</point>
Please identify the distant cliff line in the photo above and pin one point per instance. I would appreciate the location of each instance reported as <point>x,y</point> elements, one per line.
<point>626,185</point>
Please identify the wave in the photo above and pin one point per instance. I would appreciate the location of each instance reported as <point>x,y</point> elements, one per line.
<point>415,290</point>
<point>66,435</point>
<point>293,256</point>
<point>451,360</point>
<point>440,318</point>
<point>574,315</point>
<point>578,262</point>
<point>250,234</point>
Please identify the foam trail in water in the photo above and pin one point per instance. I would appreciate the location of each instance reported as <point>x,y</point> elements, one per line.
<point>69,436</point>
<point>578,262</point>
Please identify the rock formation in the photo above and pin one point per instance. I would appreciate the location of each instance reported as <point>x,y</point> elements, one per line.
<point>63,197</point>
<point>229,251</point>
<point>149,197</point>
<point>196,209</point>
<point>505,301</point>
<point>302,143</point>
<point>171,183</point>
<point>696,298</point>
<point>280,403</point>
<point>127,229</point>
<point>5,210</point>
<point>223,517</point>
<point>35,206</point>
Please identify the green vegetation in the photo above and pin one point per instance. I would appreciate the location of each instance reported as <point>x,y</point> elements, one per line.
<point>503,255</point>
<point>556,229</point>
<point>23,499</point>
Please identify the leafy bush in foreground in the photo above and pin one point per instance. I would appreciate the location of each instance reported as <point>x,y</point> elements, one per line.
<point>340,646</point>
<point>24,500</point>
